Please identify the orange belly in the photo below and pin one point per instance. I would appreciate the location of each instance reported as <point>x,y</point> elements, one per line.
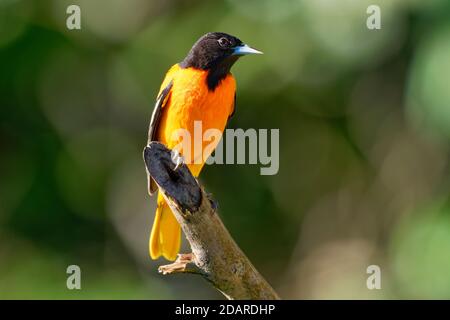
<point>191,101</point>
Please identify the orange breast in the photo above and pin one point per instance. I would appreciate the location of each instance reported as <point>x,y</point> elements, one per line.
<point>191,101</point>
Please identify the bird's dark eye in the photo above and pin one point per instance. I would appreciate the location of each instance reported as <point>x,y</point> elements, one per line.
<point>224,42</point>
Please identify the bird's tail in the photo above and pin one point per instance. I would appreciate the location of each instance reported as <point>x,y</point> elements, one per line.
<point>165,238</point>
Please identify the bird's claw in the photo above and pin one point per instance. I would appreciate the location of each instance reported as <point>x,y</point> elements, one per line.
<point>214,203</point>
<point>177,159</point>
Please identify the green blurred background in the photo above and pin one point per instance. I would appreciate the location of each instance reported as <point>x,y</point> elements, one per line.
<point>364,119</point>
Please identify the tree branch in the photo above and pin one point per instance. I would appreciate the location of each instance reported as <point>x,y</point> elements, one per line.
<point>215,256</point>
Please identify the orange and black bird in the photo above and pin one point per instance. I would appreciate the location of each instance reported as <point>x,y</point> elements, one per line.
<point>200,88</point>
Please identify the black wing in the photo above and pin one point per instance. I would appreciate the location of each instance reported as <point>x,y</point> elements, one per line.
<point>153,128</point>
<point>234,108</point>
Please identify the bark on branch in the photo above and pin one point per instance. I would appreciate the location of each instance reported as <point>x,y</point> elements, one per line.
<point>215,256</point>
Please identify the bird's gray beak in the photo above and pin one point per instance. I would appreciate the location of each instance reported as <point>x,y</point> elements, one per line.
<point>244,50</point>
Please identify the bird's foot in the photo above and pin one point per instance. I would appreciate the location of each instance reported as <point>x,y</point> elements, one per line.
<point>184,264</point>
<point>214,203</point>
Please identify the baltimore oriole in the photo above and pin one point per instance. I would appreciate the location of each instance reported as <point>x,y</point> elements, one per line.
<point>200,88</point>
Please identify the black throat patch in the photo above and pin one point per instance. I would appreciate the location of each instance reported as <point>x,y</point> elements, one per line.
<point>219,72</point>
<point>216,71</point>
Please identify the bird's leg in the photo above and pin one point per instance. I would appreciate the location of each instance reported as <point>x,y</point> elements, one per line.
<point>177,159</point>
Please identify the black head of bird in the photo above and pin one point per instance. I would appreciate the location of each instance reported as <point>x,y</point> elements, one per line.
<point>216,52</point>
